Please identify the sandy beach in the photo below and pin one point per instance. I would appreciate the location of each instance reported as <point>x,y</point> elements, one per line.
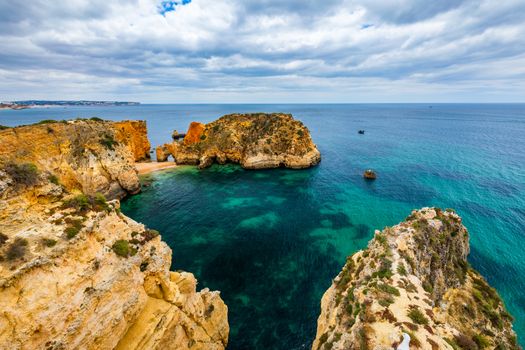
<point>146,168</point>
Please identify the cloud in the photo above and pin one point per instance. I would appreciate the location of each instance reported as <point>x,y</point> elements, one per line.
<point>249,50</point>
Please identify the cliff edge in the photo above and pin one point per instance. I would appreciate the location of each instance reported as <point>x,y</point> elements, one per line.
<point>255,141</point>
<point>93,156</point>
<point>75,273</point>
<point>413,280</point>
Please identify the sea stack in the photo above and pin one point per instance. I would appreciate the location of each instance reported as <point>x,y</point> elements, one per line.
<point>414,279</point>
<point>255,141</point>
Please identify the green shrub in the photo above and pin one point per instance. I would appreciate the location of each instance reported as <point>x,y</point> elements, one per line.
<point>22,174</point>
<point>108,141</point>
<point>388,289</point>
<point>386,301</point>
<point>381,238</point>
<point>349,309</point>
<point>3,127</point>
<point>100,203</point>
<point>80,203</point>
<point>322,339</point>
<point>48,242</point>
<point>122,248</point>
<point>83,203</point>
<point>427,286</point>
<point>452,343</point>
<point>71,231</point>
<point>96,119</point>
<point>17,249</point>
<point>53,179</point>
<point>417,316</point>
<point>385,269</point>
<point>481,341</point>
<point>47,121</point>
<point>401,269</point>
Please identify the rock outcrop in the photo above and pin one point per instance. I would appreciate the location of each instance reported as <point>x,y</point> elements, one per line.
<point>134,134</point>
<point>255,141</point>
<point>414,279</point>
<point>75,273</point>
<point>92,156</point>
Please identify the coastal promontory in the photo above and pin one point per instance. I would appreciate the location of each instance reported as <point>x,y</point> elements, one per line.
<point>413,282</point>
<point>255,141</point>
<point>75,273</point>
<point>93,156</point>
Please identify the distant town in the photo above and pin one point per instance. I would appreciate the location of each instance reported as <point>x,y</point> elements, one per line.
<point>46,103</point>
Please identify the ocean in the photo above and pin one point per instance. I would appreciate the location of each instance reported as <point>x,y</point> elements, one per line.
<point>271,241</point>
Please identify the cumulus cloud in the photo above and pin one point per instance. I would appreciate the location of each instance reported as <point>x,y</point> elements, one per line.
<point>263,50</point>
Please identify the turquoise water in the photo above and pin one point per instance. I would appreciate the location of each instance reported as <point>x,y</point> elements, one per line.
<point>271,241</point>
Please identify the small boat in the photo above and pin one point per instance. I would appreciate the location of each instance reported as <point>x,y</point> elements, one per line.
<point>361,132</point>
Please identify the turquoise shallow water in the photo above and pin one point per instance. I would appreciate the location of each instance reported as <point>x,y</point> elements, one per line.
<point>272,240</point>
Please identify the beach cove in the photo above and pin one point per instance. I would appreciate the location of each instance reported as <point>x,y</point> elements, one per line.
<point>296,227</point>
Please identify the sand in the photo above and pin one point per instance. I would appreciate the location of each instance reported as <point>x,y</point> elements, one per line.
<point>146,168</point>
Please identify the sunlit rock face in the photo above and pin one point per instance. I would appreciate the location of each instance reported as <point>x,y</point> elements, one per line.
<point>255,141</point>
<point>75,273</point>
<point>91,156</point>
<point>414,280</point>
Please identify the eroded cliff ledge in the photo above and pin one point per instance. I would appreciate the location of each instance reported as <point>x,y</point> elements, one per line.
<point>414,278</point>
<point>255,141</point>
<point>75,273</point>
<point>93,156</point>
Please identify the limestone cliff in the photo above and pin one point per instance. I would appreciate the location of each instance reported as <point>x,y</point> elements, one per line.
<point>255,141</point>
<point>134,134</point>
<point>75,273</point>
<point>414,278</point>
<point>89,155</point>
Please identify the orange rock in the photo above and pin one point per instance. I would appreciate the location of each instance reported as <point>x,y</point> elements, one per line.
<point>195,131</point>
<point>134,134</point>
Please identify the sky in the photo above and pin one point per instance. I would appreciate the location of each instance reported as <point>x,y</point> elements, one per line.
<point>263,51</point>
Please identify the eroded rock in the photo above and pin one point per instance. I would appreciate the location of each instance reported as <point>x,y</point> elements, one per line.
<point>255,141</point>
<point>414,278</point>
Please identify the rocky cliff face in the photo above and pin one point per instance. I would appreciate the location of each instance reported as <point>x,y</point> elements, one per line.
<point>414,279</point>
<point>255,141</point>
<point>92,156</point>
<point>77,274</point>
<point>134,134</point>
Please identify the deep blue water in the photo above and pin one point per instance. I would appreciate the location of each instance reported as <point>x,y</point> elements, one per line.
<point>271,241</point>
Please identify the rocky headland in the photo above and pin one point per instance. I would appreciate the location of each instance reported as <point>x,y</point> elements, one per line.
<point>413,280</point>
<point>75,273</point>
<point>255,141</point>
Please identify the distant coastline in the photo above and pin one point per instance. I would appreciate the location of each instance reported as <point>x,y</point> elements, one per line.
<point>46,103</point>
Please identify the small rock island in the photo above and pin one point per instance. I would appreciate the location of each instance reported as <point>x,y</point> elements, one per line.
<point>255,141</point>
<point>414,279</point>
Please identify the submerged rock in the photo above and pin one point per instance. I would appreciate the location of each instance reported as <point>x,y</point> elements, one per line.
<point>414,279</point>
<point>255,141</point>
